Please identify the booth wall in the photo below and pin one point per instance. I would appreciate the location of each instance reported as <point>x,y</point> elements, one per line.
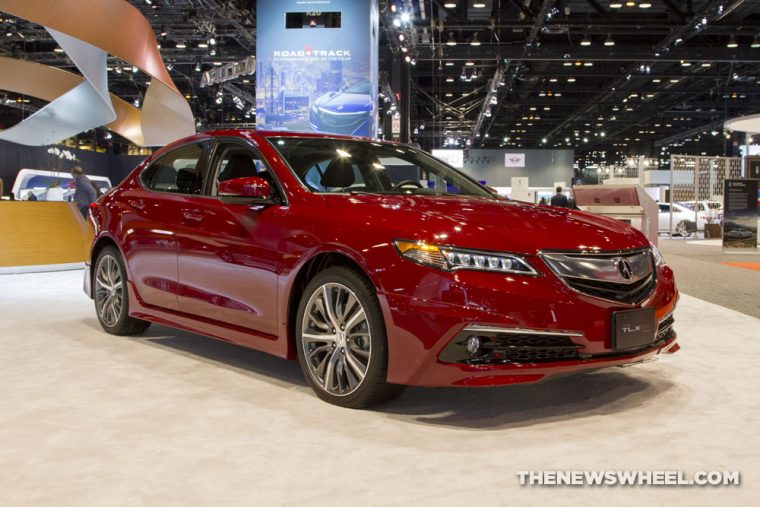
<point>542,167</point>
<point>14,157</point>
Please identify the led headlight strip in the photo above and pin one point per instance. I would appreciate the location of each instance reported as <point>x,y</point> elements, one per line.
<point>448,258</point>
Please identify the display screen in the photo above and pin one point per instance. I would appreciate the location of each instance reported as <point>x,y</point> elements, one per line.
<point>295,20</point>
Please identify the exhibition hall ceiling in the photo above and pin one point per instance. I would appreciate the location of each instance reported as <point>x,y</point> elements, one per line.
<point>590,75</point>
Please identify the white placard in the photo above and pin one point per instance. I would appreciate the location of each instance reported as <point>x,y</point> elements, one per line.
<point>455,158</point>
<point>514,160</point>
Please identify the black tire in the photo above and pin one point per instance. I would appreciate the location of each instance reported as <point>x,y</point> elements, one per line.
<point>112,301</point>
<point>368,337</point>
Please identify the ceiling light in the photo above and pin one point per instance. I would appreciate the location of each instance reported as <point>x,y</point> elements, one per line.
<point>571,80</point>
<point>630,3</point>
<point>450,5</point>
<point>478,5</point>
<point>449,79</point>
<point>469,64</point>
<point>685,64</point>
<point>202,45</point>
<point>586,41</point>
<point>451,41</point>
<point>732,43</point>
<point>475,41</point>
<point>645,5</point>
<point>616,5</point>
<point>181,45</point>
<point>58,50</point>
<point>212,41</point>
<point>755,43</point>
<point>588,64</point>
<point>609,41</point>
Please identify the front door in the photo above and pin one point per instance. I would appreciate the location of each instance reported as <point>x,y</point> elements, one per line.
<point>229,256</point>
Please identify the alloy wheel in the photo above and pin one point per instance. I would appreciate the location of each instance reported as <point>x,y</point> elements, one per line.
<point>336,339</point>
<point>109,290</point>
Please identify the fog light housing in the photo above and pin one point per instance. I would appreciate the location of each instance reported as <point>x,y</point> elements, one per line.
<point>473,345</point>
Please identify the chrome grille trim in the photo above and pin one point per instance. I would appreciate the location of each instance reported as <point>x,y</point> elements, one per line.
<point>602,274</point>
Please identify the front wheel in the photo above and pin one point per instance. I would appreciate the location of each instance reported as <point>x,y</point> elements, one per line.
<point>341,340</point>
<point>112,296</point>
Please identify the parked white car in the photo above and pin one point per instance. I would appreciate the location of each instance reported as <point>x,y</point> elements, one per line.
<point>683,220</point>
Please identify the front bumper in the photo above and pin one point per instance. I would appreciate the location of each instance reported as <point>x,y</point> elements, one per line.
<point>428,316</point>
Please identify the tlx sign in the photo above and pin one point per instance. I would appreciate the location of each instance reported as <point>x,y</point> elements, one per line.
<point>228,71</point>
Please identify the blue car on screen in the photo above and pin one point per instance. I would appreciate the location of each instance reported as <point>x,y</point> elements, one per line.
<point>347,111</point>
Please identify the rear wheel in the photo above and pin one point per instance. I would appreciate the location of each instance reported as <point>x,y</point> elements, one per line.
<point>341,340</point>
<point>112,296</point>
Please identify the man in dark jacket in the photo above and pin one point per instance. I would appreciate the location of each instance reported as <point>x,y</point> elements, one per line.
<point>559,199</point>
<point>85,194</point>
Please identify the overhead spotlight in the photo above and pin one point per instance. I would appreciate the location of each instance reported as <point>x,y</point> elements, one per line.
<point>616,5</point>
<point>475,41</point>
<point>732,43</point>
<point>181,45</point>
<point>169,67</point>
<point>134,69</point>
<point>202,45</point>
<point>478,5</point>
<point>451,41</point>
<point>755,42</point>
<point>450,5</point>
<point>630,3</point>
<point>218,100</point>
<point>401,37</point>
<point>609,41</point>
<point>408,58</point>
<point>405,17</point>
<point>212,41</point>
<point>586,41</point>
<point>645,5</point>
<point>197,66</point>
<point>108,136</point>
<point>396,22</point>
<point>136,102</point>
<point>469,64</point>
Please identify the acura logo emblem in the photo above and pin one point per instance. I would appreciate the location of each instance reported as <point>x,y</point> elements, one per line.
<point>625,269</point>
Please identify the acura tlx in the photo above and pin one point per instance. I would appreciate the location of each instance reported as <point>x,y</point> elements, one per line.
<point>374,264</point>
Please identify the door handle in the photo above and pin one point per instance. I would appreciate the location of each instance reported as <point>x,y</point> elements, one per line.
<point>137,204</point>
<point>192,216</point>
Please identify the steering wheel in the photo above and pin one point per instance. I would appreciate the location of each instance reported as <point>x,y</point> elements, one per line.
<point>403,183</point>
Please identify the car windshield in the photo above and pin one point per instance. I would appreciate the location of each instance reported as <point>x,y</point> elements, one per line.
<point>362,87</point>
<point>328,165</point>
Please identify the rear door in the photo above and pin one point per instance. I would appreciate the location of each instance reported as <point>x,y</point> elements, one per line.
<point>149,234</point>
<point>229,256</point>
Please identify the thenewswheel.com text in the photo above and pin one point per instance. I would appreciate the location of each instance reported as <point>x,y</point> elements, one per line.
<point>709,478</point>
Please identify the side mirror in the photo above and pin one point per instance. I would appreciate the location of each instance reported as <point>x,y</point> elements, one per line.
<point>250,186</point>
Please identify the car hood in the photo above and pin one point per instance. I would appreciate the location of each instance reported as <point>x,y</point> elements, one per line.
<point>484,223</point>
<point>345,103</point>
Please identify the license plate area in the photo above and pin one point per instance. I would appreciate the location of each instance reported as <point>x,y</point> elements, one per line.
<point>632,329</point>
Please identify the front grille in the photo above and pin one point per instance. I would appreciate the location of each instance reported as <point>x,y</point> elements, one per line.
<point>632,294</point>
<point>665,329</point>
<point>346,124</point>
<point>624,277</point>
<point>503,348</point>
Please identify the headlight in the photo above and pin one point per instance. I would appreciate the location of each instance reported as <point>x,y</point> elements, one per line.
<point>658,260</point>
<point>451,259</point>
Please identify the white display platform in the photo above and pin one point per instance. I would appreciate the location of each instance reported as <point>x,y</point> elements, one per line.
<point>171,418</point>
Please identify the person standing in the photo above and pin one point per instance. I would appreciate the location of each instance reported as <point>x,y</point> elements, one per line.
<point>559,199</point>
<point>84,193</point>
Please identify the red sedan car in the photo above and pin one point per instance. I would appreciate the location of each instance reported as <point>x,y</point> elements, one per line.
<point>375,264</point>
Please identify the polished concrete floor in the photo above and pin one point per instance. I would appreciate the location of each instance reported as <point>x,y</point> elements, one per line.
<point>170,418</point>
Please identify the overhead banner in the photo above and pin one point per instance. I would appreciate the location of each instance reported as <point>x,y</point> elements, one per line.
<point>740,215</point>
<point>317,66</point>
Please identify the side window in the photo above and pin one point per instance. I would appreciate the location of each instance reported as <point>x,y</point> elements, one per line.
<point>179,171</point>
<point>664,208</point>
<point>239,162</point>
